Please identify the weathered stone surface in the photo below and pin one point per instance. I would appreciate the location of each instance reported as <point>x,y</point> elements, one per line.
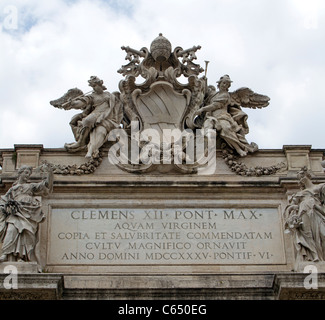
<point>173,236</point>
<point>178,287</point>
<point>109,187</point>
<point>270,286</point>
<point>32,287</point>
<point>20,267</point>
<point>157,211</point>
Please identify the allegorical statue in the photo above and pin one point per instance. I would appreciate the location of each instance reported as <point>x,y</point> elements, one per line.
<point>222,112</point>
<point>305,219</point>
<point>159,115</point>
<point>102,112</point>
<point>21,213</point>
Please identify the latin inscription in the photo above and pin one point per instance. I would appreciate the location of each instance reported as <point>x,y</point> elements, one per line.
<point>165,236</point>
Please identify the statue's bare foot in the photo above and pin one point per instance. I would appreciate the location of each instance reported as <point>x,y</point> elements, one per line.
<point>95,154</point>
<point>72,145</point>
<point>254,147</point>
<point>91,154</point>
<point>242,153</point>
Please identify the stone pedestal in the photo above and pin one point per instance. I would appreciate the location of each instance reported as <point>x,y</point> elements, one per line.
<point>31,286</point>
<point>310,266</point>
<point>19,267</point>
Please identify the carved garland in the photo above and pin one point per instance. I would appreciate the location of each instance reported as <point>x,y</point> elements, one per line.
<point>85,168</point>
<point>241,169</point>
<point>228,155</point>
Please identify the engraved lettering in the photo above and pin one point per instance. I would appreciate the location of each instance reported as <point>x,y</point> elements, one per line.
<point>175,236</point>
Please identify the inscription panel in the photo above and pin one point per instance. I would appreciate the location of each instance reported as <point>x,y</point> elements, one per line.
<point>177,236</point>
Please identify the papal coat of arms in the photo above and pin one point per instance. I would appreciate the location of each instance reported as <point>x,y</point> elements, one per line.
<point>165,120</point>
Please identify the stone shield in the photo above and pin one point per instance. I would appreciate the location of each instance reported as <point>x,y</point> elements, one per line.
<point>162,108</point>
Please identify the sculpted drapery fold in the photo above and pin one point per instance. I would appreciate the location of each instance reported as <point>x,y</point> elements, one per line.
<point>305,219</point>
<point>21,213</point>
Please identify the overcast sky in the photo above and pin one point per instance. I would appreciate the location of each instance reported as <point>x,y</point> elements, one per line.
<point>274,47</point>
